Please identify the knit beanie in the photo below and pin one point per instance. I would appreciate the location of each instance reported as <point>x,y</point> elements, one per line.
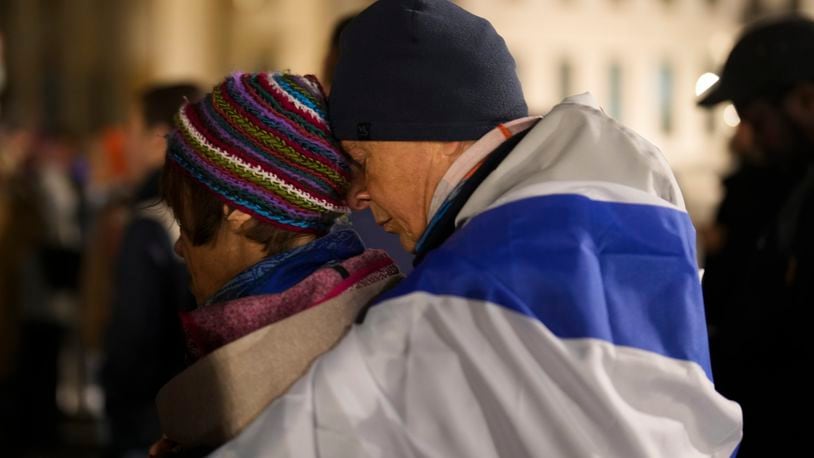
<point>260,142</point>
<point>422,70</point>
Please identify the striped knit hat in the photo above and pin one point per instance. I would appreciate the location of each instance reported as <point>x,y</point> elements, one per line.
<point>261,143</point>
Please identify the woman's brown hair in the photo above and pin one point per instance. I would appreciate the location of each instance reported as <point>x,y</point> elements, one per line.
<point>200,213</point>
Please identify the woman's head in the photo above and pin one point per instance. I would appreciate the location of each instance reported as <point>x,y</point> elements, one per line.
<point>252,169</point>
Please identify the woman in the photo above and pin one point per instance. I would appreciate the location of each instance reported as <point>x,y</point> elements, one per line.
<point>256,181</point>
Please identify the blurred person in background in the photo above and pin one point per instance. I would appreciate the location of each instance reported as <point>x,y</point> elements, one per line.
<point>332,57</point>
<point>109,210</point>
<point>47,284</point>
<point>753,194</point>
<point>39,242</point>
<point>107,195</point>
<point>363,222</point>
<point>257,182</point>
<point>2,72</point>
<point>762,344</point>
<point>21,235</point>
<point>13,240</point>
<point>144,343</point>
<point>59,170</point>
<point>555,307</point>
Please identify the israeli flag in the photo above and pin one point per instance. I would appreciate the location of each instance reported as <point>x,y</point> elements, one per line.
<point>564,318</point>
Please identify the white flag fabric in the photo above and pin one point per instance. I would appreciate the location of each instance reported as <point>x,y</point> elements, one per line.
<point>563,318</point>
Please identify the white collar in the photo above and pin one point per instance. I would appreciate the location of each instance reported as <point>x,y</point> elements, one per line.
<point>474,155</point>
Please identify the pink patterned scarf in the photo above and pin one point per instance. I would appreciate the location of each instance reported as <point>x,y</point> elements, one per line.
<point>210,327</point>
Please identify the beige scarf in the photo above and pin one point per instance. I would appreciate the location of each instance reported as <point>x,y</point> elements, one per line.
<point>215,398</point>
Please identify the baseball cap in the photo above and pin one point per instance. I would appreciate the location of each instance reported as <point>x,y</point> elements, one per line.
<point>770,56</point>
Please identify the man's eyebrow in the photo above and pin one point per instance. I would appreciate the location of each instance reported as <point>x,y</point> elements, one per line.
<point>356,162</point>
<point>355,151</point>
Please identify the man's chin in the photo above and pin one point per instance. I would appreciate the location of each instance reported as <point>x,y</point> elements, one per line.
<point>199,301</point>
<point>407,243</point>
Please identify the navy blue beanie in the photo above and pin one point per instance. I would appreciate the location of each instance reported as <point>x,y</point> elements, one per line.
<point>415,70</point>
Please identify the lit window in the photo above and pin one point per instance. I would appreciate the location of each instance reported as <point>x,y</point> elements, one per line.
<point>615,90</point>
<point>665,98</point>
<point>566,77</point>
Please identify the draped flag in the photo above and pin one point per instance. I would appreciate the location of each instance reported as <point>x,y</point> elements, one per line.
<point>564,317</point>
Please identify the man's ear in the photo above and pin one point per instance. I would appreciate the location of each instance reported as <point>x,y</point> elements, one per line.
<point>800,106</point>
<point>357,196</point>
<point>235,219</point>
<point>454,149</point>
<point>448,152</point>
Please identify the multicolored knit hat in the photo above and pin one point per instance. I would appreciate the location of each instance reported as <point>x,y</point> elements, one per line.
<point>261,143</point>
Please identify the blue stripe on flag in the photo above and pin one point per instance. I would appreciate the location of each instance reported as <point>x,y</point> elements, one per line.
<point>623,273</point>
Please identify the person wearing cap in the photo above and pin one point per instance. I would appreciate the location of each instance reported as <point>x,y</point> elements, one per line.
<point>363,223</point>
<point>555,307</point>
<point>256,181</point>
<point>760,343</point>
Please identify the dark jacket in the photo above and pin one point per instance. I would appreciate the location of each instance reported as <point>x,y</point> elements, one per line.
<point>144,346</point>
<point>759,349</point>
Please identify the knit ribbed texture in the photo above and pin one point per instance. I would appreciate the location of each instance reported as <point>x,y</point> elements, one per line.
<point>422,70</point>
<point>261,143</point>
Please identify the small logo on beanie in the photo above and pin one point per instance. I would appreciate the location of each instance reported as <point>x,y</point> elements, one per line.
<point>363,131</point>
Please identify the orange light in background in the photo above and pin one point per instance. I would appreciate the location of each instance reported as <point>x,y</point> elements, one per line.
<point>113,139</point>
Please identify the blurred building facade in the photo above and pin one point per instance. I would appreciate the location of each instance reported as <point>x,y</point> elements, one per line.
<point>642,59</point>
<point>73,64</point>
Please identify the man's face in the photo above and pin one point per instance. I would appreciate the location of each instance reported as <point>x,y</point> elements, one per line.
<point>776,133</point>
<point>397,181</point>
<point>145,146</point>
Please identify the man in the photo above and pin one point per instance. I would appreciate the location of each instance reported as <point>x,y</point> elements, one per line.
<point>555,308</point>
<point>144,347</point>
<point>362,221</point>
<point>768,295</point>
